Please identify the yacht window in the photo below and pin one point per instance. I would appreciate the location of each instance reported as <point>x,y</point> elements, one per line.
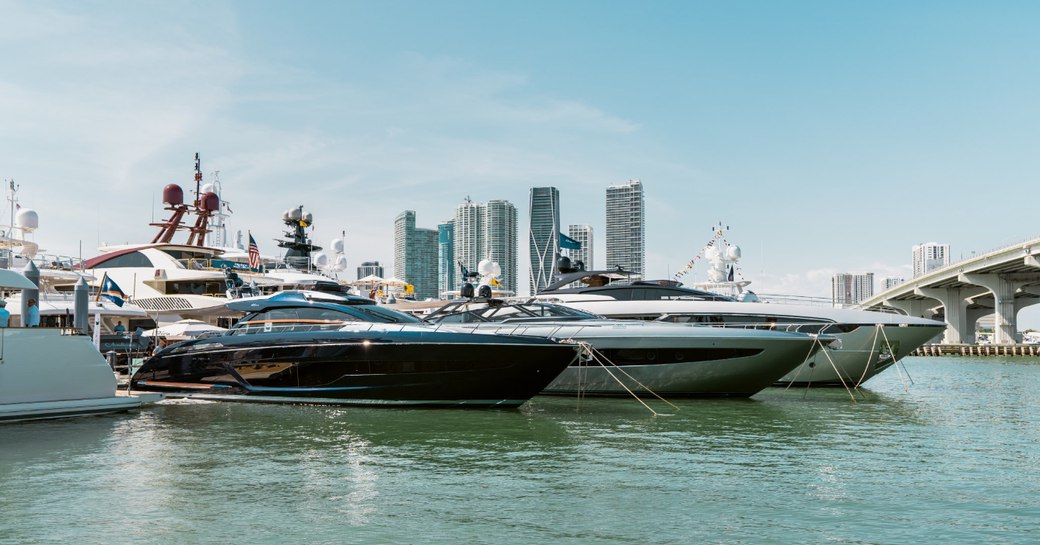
<point>132,259</point>
<point>195,287</point>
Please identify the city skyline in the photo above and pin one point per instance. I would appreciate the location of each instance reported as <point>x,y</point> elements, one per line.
<point>831,137</point>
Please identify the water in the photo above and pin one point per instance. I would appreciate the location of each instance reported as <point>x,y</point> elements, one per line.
<point>952,458</point>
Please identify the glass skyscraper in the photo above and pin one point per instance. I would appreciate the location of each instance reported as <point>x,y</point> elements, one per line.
<point>626,227</point>
<point>415,255</point>
<point>487,231</point>
<point>447,269</point>
<point>544,236</point>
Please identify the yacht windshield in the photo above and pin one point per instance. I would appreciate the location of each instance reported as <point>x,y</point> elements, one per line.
<point>503,313</point>
<point>315,319</point>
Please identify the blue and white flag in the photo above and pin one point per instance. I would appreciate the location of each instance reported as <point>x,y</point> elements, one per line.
<point>110,290</point>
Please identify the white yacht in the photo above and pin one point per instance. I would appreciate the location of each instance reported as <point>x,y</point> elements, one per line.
<point>53,372</point>
<point>669,360</point>
<point>870,341</point>
<point>175,281</point>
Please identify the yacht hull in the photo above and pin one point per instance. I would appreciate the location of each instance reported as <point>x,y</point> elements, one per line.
<point>358,368</point>
<point>865,352</point>
<point>671,360</point>
<point>46,373</point>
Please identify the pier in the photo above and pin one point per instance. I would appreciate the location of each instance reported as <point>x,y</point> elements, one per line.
<point>1028,350</point>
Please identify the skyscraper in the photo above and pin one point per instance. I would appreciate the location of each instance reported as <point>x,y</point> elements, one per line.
<point>370,268</point>
<point>930,256</point>
<point>626,227</point>
<point>544,236</point>
<point>582,234</point>
<point>848,289</point>
<point>447,269</point>
<point>415,255</point>
<point>487,231</point>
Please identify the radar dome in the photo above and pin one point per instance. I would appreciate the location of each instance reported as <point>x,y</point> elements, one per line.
<point>484,267</point>
<point>337,245</point>
<point>173,194</point>
<point>209,188</point>
<point>26,219</point>
<point>564,265</point>
<point>733,253</point>
<point>209,202</point>
<point>340,264</point>
<point>295,214</point>
<point>320,260</point>
<point>308,218</point>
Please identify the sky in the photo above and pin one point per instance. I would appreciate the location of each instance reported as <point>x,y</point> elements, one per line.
<point>829,136</point>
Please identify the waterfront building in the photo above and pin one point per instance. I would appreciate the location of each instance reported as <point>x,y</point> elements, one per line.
<point>583,235</point>
<point>447,270</point>
<point>544,236</point>
<point>415,255</point>
<point>890,282</point>
<point>369,268</point>
<point>930,256</point>
<point>849,289</point>
<point>626,227</point>
<point>487,231</point>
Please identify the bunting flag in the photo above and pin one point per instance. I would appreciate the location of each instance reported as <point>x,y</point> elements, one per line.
<point>568,243</point>
<point>110,290</point>
<point>254,254</point>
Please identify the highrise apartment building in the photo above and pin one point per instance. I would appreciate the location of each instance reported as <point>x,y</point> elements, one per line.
<point>626,227</point>
<point>849,289</point>
<point>890,282</point>
<point>487,231</point>
<point>415,255</point>
<point>370,268</point>
<point>447,270</point>
<point>582,234</point>
<point>930,256</point>
<point>544,236</point>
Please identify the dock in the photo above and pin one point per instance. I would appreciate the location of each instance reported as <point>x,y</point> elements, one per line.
<point>1027,350</point>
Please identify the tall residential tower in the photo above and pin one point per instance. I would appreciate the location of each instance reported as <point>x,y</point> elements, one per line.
<point>415,255</point>
<point>544,236</point>
<point>487,231</point>
<point>930,256</point>
<point>626,227</point>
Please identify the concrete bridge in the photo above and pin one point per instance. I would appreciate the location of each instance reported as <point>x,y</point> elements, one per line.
<point>1001,283</point>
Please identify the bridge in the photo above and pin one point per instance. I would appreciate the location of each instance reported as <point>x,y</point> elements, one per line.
<point>1001,282</point>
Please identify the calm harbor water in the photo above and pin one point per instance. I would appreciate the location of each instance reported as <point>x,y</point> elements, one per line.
<point>953,457</point>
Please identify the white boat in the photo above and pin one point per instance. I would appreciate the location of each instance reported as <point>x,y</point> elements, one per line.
<point>54,373</point>
<point>669,360</point>
<point>870,341</point>
<point>174,281</point>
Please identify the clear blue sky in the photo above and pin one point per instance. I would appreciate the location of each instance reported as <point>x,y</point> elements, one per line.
<point>830,136</point>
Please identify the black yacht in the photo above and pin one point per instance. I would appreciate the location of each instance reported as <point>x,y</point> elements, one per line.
<point>321,348</point>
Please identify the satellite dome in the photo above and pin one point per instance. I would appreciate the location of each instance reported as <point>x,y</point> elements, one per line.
<point>320,260</point>
<point>337,245</point>
<point>173,194</point>
<point>484,267</point>
<point>733,253</point>
<point>340,264</point>
<point>564,265</point>
<point>26,219</point>
<point>209,188</point>
<point>295,214</point>
<point>209,202</point>
<point>308,218</point>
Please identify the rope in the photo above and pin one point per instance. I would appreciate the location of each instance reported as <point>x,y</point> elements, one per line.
<point>589,352</point>
<point>897,363</point>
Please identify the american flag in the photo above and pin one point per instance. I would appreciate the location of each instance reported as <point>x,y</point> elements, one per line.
<point>254,254</point>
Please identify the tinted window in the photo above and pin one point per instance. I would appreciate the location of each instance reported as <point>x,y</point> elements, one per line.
<point>133,259</point>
